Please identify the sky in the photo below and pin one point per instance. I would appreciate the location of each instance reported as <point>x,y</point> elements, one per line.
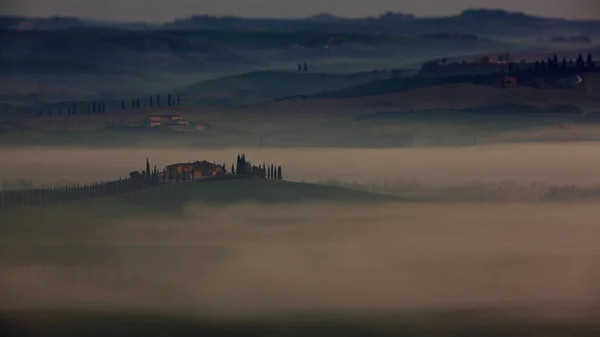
<point>165,10</point>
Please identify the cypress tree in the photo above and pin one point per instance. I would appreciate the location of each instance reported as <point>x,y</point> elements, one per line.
<point>232,169</point>
<point>151,101</point>
<point>590,62</point>
<point>169,100</point>
<point>178,100</point>
<point>158,100</point>
<point>279,173</point>
<point>564,63</point>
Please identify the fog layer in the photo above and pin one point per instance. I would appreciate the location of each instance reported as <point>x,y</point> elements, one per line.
<point>257,259</point>
<point>560,163</point>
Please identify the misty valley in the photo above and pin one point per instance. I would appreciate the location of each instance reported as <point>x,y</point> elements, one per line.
<point>392,175</point>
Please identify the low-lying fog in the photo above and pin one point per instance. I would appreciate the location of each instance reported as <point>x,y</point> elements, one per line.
<point>558,163</point>
<point>253,259</point>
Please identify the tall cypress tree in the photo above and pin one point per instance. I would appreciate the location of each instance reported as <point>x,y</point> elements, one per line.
<point>158,100</point>
<point>279,173</point>
<point>138,102</point>
<point>169,100</point>
<point>178,100</point>
<point>147,170</point>
<point>151,101</point>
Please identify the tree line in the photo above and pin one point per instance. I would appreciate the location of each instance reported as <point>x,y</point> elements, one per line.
<point>245,168</point>
<point>101,107</point>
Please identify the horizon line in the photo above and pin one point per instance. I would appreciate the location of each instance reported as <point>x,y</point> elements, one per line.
<point>303,18</point>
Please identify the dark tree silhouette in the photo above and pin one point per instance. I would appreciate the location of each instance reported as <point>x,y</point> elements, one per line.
<point>232,169</point>
<point>123,104</point>
<point>299,67</point>
<point>93,107</point>
<point>305,67</point>
<point>279,173</point>
<point>169,100</point>
<point>147,170</point>
<point>151,101</point>
<point>138,102</point>
<point>178,100</point>
<point>564,63</point>
<point>590,62</point>
<point>158,100</point>
<point>580,62</point>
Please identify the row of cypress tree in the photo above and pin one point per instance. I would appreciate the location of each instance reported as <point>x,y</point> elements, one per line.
<point>101,107</point>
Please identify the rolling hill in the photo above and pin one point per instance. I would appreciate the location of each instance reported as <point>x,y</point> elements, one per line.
<point>173,198</point>
<point>261,86</point>
<point>437,97</point>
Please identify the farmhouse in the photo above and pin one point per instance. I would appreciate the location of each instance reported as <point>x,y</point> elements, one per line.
<point>195,170</point>
<point>166,120</point>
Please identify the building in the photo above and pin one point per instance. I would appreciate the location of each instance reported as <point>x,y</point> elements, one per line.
<point>163,120</point>
<point>195,170</point>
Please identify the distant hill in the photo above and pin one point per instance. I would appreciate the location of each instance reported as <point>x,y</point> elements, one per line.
<point>261,86</point>
<point>480,21</point>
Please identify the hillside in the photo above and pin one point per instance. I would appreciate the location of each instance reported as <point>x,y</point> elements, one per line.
<point>260,86</point>
<point>173,198</point>
<point>438,97</point>
<point>85,64</point>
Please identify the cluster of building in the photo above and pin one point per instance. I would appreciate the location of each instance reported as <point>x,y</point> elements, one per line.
<point>169,122</point>
<point>194,170</point>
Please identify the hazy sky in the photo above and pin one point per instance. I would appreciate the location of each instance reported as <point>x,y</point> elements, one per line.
<point>162,10</point>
